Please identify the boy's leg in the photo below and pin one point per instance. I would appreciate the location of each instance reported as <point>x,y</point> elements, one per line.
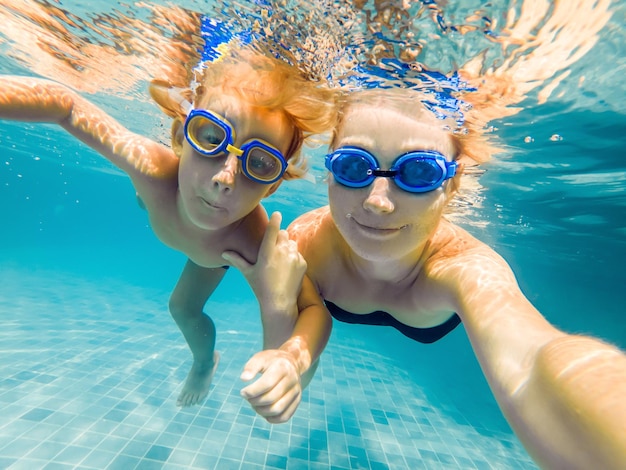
<point>194,287</point>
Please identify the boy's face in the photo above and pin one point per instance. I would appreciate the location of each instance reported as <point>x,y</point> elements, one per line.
<point>214,191</point>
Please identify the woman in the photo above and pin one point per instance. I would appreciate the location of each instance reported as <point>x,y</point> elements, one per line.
<point>383,253</point>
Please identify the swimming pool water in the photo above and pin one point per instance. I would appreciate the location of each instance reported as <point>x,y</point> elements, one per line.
<point>91,362</point>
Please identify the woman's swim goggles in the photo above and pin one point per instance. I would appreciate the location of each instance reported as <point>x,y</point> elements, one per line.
<point>211,134</point>
<point>415,172</point>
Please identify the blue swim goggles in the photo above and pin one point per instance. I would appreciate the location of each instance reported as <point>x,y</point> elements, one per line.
<point>211,134</point>
<point>415,172</point>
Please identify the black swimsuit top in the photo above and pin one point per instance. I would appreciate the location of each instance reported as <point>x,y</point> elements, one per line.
<point>380,318</point>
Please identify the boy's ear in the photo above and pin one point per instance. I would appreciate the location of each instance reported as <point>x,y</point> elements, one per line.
<point>273,187</point>
<point>171,99</point>
<point>178,137</point>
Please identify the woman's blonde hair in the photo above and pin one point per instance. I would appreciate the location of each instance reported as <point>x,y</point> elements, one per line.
<point>471,143</point>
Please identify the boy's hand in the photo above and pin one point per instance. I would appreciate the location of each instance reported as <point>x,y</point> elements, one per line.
<point>277,275</point>
<point>276,394</point>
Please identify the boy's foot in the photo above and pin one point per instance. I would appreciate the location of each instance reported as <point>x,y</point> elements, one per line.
<point>198,382</point>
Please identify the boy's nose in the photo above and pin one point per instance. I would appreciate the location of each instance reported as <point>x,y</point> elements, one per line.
<point>378,199</point>
<point>225,178</point>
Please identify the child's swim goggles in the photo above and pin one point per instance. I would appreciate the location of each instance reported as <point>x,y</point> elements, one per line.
<point>211,134</point>
<point>415,172</point>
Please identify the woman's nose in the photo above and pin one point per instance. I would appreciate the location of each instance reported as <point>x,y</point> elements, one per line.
<point>224,179</point>
<point>378,199</point>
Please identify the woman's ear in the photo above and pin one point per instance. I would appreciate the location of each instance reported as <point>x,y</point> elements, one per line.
<point>172,100</point>
<point>460,169</point>
<point>178,137</point>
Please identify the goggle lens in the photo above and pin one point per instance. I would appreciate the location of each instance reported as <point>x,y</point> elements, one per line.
<point>419,173</point>
<point>263,165</point>
<point>352,167</point>
<point>206,134</point>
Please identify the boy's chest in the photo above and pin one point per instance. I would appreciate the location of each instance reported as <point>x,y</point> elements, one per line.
<point>203,247</point>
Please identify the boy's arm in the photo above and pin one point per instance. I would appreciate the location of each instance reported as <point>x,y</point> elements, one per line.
<point>562,394</point>
<point>40,100</point>
<point>296,325</point>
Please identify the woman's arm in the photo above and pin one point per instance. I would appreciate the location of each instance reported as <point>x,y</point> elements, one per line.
<point>286,371</point>
<point>39,100</point>
<point>564,395</point>
<point>296,325</point>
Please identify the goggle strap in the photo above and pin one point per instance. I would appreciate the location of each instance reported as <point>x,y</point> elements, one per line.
<point>451,169</point>
<point>175,94</point>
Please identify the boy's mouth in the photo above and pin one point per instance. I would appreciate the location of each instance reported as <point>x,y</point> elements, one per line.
<point>210,204</point>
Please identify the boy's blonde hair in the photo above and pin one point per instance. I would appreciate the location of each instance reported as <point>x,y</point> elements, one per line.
<point>270,83</point>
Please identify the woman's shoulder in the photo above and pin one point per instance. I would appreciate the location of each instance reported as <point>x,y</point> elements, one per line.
<point>314,231</point>
<point>309,224</point>
<point>455,250</point>
<point>454,242</point>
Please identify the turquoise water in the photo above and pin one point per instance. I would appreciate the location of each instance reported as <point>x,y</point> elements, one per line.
<point>91,362</point>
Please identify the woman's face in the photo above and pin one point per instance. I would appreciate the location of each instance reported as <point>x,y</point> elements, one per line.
<point>382,221</point>
<point>214,190</point>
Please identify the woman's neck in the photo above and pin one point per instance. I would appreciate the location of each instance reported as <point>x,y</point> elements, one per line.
<point>394,270</point>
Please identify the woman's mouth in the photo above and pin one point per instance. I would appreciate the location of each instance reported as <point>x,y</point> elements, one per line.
<point>378,231</point>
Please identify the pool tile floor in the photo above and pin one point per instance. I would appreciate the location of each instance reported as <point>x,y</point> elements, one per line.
<point>90,370</point>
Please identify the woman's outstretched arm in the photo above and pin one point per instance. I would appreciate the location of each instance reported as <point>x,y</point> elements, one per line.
<point>564,395</point>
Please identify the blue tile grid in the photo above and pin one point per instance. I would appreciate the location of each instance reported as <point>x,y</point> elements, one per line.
<point>90,372</point>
